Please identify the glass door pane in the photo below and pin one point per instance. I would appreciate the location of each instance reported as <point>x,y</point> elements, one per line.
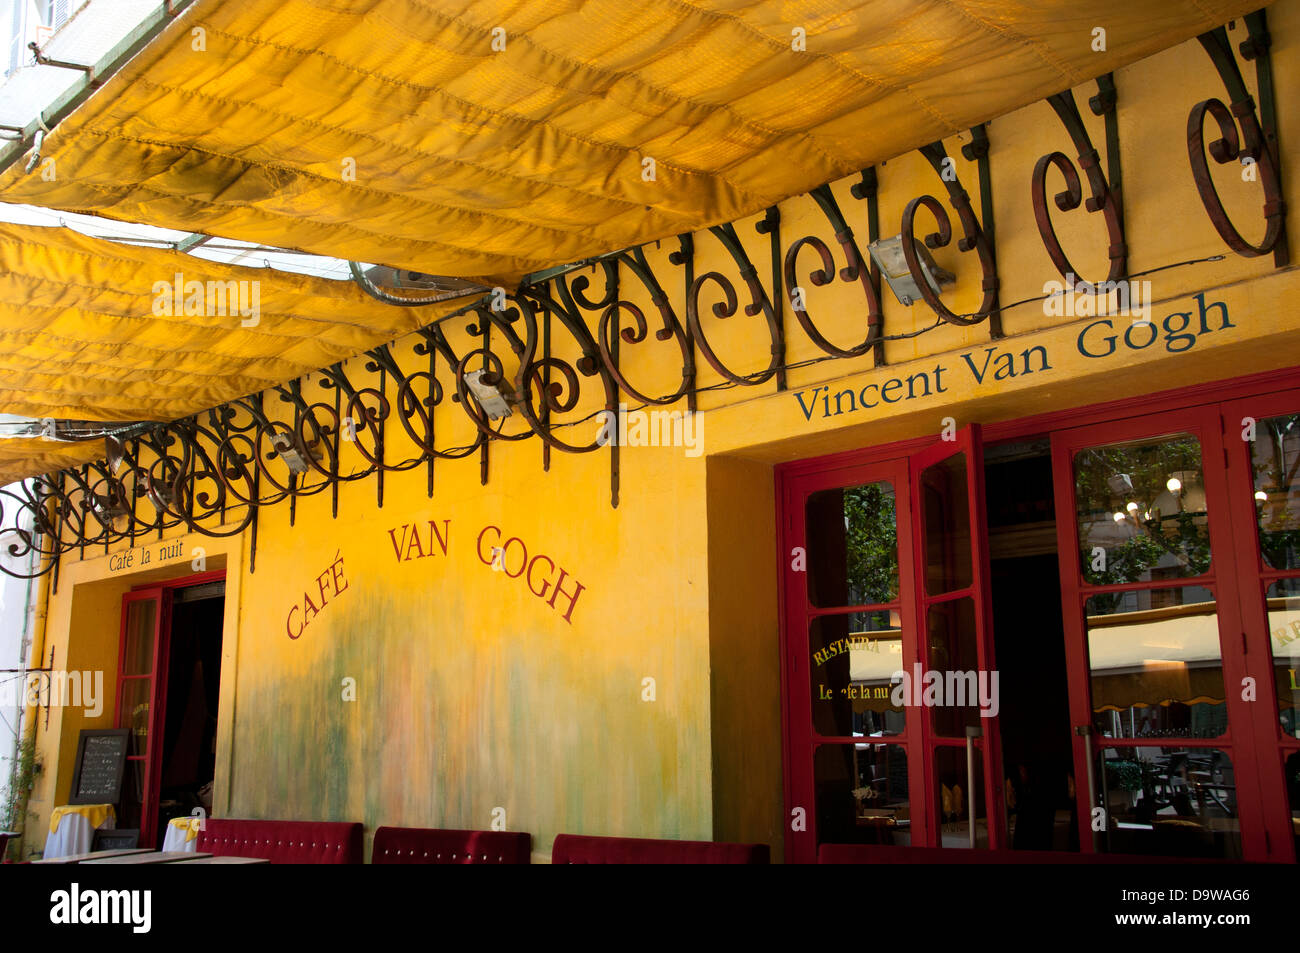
<point>1155,668</point>
<point>848,619</point>
<point>1264,482</point>
<point>956,691</point>
<point>141,693</point>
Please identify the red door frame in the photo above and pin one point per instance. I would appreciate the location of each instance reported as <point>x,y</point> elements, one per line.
<point>151,756</point>
<point>1271,746</point>
<point>161,594</point>
<point>967,441</point>
<point>1222,579</point>
<point>800,738</point>
<point>798,770</point>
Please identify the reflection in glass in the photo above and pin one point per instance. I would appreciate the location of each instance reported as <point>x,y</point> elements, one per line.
<point>953,791</point>
<point>1169,802</point>
<point>953,655</point>
<point>862,794</point>
<point>128,807</point>
<point>853,659</point>
<point>1275,459</point>
<point>1156,664</point>
<point>852,536</point>
<point>1291,770</point>
<point>1141,511</point>
<point>138,656</point>
<point>134,712</point>
<point>946,514</point>
<point>1284,641</point>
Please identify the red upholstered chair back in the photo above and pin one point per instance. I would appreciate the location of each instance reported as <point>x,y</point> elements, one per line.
<point>580,849</point>
<point>283,842</point>
<point>893,854</point>
<point>421,845</point>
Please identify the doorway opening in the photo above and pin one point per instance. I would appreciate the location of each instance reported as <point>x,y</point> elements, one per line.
<point>169,681</point>
<point>1029,642</point>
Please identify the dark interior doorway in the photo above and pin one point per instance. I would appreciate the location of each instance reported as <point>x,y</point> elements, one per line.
<point>189,736</point>
<point>1029,641</point>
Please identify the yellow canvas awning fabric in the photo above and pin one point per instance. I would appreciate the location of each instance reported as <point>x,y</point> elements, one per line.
<point>85,333</point>
<point>490,138</point>
<point>21,457</point>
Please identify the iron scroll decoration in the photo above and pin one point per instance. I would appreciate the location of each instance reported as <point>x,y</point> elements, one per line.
<point>211,473</point>
<point>1254,144</point>
<point>1101,198</point>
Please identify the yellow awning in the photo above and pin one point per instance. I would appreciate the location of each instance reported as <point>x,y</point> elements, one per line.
<point>84,334</point>
<point>494,138</point>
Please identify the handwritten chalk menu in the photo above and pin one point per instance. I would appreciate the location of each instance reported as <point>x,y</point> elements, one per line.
<point>101,758</point>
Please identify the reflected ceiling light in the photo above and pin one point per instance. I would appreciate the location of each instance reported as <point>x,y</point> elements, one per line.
<point>1119,517</point>
<point>1132,507</point>
<point>1174,484</point>
<point>888,255</point>
<point>1261,496</point>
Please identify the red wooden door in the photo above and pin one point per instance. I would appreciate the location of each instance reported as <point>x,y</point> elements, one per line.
<point>1262,439</point>
<point>141,703</point>
<point>959,734</point>
<point>1164,740</point>
<point>869,759</point>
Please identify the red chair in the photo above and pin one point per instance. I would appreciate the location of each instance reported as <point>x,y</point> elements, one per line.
<point>283,842</point>
<point>580,849</point>
<point>421,845</point>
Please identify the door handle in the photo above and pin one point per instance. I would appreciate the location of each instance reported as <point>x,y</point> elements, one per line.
<point>1085,732</point>
<point>972,732</point>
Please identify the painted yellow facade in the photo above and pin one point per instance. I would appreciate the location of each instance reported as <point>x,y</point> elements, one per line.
<point>647,702</point>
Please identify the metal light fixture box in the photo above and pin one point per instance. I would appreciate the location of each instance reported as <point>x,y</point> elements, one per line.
<point>107,510</point>
<point>292,452</point>
<point>887,253</point>
<point>495,399</point>
<point>162,496</point>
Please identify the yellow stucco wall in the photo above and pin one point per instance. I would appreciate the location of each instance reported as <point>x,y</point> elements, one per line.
<point>473,694</point>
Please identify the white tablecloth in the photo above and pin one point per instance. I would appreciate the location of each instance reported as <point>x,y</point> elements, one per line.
<point>174,839</point>
<point>74,835</point>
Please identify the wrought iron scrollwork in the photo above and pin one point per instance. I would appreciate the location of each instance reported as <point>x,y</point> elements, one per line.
<point>759,303</point>
<point>855,269</point>
<point>1248,145</point>
<point>1100,199</point>
<point>210,473</point>
<point>973,239</point>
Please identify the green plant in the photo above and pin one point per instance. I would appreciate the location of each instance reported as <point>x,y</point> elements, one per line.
<point>872,543</point>
<point>1183,535</point>
<point>26,768</point>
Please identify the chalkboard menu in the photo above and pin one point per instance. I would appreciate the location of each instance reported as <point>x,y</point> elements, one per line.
<point>101,758</point>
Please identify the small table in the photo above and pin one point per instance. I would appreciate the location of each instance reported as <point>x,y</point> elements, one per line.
<point>151,857</point>
<point>73,826</point>
<point>97,855</point>
<point>182,834</point>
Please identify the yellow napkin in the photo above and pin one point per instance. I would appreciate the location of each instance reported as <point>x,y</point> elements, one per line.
<point>191,825</point>
<point>96,814</point>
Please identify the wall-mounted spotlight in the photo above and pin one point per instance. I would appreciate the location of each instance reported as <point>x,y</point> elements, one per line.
<point>107,509</point>
<point>887,253</point>
<point>114,453</point>
<point>162,496</point>
<point>292,452</point>
<point>495,397</point>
